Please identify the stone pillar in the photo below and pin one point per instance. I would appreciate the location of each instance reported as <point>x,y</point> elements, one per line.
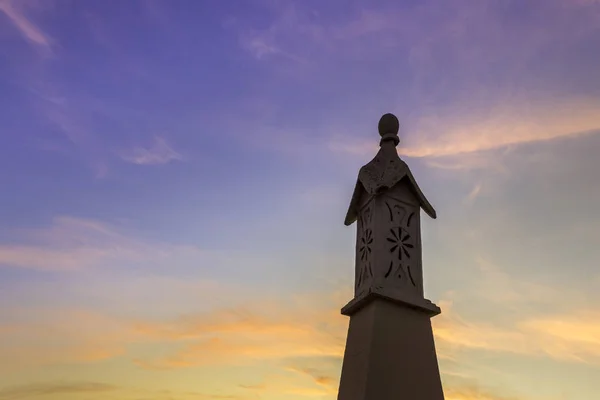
<point>390,350</point>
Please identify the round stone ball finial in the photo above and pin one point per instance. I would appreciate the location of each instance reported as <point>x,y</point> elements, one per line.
<point>388,128</point>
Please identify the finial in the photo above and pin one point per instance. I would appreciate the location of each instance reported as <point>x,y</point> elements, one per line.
<point>388,128</point>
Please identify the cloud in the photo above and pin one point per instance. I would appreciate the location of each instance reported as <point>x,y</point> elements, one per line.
<point>267,42</point>
<point>452,331</point>
<point>277,331</point>
<point>506,127</point>
<point>12,10</point>
<point>77,388</point>
<point>73,117</point>
<point>244,335</point>
<point>459,141</point>
<point>310,326</point>
<point>493,160</point>
<point>475,35</point>
<point>267,329</point>
<point>278,384</point>
<point>535,321</point>
<point>45,323</point>
<point>468,392</point>
<point>259,46</point>
<point>261,386</point>
<point>50,336</point>
<point>320,378</point>
<point>54,388</point>
<point>569,337</point>
<point>496,286</point>
<point>159,153</point>
<point>71,244</point>
<point>469,86</point>
<point>32,257</point>
<point>572,337</point>
<point>304,34</point>
<point>474,193</point>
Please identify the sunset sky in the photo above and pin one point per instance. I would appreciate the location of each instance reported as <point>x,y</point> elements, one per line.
<point>174,177</point>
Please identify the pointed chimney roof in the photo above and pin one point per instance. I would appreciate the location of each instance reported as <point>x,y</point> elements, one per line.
<point>385,171</point>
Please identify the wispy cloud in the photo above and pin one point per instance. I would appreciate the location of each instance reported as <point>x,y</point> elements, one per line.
<point>464,114</point>
<point>72,244</point>
<point>564,334</point>
<point>417,29</point>
<point>320,378</point>
<point>572,337</point>
<point>245,335</point>
<point>282,384</point>
<point>562,337</point>
<point>83,388</point>
<point>484,160</point>
<point>273,330</point>
<point>72,117</point>
<point>259,46</point>
<point>498,287</point>
<point>471,392</point>
<point>159,153</point>
<point>13,10</point>
<point>466,133</point>
<point>473,133</point>
<point>49,336</point>
<point>50,259</point>
<point>299,34</point>
<point>260,386</point>
<point>54,388</point>
<point>308,326</point>
<point>241,336</point>
<point>40,326</point>
<point>321,332</point>
<point>474,193</point>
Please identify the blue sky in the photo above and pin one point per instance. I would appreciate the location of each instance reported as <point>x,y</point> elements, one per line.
<point>175,176</point>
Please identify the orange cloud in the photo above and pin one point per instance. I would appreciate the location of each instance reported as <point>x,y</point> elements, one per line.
<point>276,331</point>
<point>280,384</point>
<point>467,130</point>
<point>57,388</point>
<point>245,335</point>
<point>507,126</point>
<point>320,378</point>
<point>253,387</point>
<point>268,330</point>
<point>471,393</point>
<point>97,390</point>
<point>48,337</point>
<point>451,331</point>
<point>573,337</point>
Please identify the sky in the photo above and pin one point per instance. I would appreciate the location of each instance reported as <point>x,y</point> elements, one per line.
<point>175,174</point>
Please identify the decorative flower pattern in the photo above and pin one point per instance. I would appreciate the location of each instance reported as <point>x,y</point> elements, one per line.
<point>364,249</point>
<point>400,242</point>
<point>365,244</point>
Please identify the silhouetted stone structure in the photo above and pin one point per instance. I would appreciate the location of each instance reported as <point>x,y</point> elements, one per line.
<point>390,350</point>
